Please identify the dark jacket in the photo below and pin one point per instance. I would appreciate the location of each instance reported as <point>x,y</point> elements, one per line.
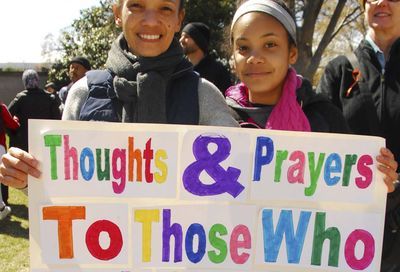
<point>102,103</point>
<point>213,70</point>
<point>372,107</point>
<point>31,104</point>
<point>320,112</point>
<point>63,93</point>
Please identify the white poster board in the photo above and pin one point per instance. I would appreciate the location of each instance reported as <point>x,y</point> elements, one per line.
<point>140,197</point>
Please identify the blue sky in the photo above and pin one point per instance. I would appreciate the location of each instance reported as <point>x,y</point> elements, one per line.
<point>24,25</point>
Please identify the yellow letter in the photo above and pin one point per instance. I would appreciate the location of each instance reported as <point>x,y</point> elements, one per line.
<point>162,166</point>
<point>146,217</point>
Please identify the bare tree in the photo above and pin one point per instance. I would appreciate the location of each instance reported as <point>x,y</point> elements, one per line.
<point>332,15</point>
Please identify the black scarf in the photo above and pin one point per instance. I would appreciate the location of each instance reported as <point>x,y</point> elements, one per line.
<point>141,83</point>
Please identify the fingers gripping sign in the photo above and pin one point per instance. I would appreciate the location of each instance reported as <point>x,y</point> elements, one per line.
<point>387,165</point>
<point>226,181</point>
<point>15,167</point>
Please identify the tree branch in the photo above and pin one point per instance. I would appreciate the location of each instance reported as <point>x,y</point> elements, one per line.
<point>347,20</point>
<point>326,38</point>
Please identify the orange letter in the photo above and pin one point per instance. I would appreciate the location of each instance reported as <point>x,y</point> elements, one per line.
<point>134,155</point>
<point>64,215</point>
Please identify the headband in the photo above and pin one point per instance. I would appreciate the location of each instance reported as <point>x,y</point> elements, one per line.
<point>269,7</point>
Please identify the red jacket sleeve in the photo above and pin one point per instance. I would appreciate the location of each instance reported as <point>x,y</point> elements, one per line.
<point>8,120</point>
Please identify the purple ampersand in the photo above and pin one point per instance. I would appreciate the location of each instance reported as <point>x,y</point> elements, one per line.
<point>225,181</point>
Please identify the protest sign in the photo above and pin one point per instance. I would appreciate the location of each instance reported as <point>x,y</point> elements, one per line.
<point>141,197</point>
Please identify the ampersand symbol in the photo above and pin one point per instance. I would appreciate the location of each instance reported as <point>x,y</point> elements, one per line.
<point>225,181</point>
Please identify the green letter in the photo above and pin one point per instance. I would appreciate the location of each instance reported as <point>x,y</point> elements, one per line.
<point>53,141</point>
<point>314,172</point>
<point>349,161</point>
<point>217,243</point>
<point>320,235</point>
<point>281,155</point>
<point>103,174</point>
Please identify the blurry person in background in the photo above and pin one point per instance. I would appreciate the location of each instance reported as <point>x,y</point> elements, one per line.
<point>11,123</point>
<point>195,39</point>
<point>77,69</point>
<point>51,89</point>
<point>31,103</point>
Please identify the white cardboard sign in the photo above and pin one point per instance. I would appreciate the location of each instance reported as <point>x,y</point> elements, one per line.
<point>141,197</point>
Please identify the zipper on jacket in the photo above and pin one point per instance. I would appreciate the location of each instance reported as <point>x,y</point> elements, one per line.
<point>383,93</point>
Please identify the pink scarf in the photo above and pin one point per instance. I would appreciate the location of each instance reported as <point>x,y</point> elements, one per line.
<point>287,113</point>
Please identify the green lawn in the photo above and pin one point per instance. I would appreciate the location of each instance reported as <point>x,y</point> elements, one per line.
<point>14,235</point>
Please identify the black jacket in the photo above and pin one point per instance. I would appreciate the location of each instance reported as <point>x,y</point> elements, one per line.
<point>213,70</point>
<point>373,105</point>
<point>320,112</point>
<point>31,104</point>
<point>372,108</point>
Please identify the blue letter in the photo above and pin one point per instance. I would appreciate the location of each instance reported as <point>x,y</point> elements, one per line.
<point>195,229</point>
<point>294,243</point>
<point>87,153</point>
<point>333,164</point>
<point>260,158</point>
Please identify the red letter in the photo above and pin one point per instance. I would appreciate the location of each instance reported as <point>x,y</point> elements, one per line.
<point>296,168</point>
<point>369,249</point>
<point>364,170</point>
<point>148,156</point>
<point>92,240</point>
<point>70,153</point>
<point>64,216</point>
<point>119,154</point>
<point>235,244</point>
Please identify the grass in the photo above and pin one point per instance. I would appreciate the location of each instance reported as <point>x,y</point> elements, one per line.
<point>14,235</point>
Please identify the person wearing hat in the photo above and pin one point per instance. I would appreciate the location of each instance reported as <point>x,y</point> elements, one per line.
<point>50,88</point>
<point>195,39</point>
<point>77,69</point>
<point>366,86</point>
<point>31,103</point>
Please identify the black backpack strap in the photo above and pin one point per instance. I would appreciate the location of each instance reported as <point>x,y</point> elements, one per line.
<point>356,73</point>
